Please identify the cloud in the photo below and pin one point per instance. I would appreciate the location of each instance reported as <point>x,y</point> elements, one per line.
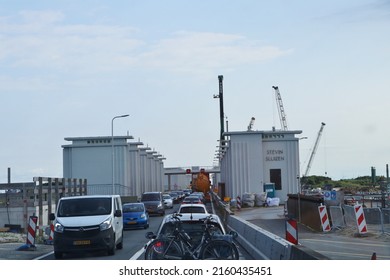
<point>42,40</point>
<point>201,50</point>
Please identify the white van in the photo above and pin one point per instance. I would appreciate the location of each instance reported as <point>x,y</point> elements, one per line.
<point>88,223</point>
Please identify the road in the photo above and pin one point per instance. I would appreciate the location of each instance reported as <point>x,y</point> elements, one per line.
<point>133,243</point>
<point>336,245</point>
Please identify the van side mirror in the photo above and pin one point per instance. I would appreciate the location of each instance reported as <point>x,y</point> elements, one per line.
<point>118,213</point>
<point>52,217</point>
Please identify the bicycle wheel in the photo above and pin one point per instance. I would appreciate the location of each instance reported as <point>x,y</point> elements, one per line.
<point>163,249</point>
<point>219,250</point>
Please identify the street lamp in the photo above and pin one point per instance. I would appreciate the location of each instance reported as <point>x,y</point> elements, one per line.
<point>112,150</point>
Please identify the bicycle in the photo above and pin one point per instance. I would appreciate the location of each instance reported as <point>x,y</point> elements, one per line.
<point>179,245</point>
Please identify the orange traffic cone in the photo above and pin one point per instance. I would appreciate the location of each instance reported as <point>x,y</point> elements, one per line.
<point>373,257</point>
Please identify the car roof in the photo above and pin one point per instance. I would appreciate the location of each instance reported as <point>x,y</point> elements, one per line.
<point>88,196</point>
<point>133,203</point>
<point>151,192</point>
<point>192,205</point>
<point>192,197</point>
<point>196,194</point>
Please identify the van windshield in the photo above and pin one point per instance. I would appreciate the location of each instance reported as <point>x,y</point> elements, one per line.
<point>84,207</point>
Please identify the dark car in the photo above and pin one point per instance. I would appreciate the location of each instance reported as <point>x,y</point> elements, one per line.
<point>135,216</point>
<point>154,202</point>
<point>175,197</point>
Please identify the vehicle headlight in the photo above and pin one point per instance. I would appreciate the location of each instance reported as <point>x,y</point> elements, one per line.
<point>106,224</point>
<point>159,205</point>
<point>58,227</point>
<point>143,216</point>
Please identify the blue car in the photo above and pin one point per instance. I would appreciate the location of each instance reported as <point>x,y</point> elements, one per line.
<point>135,216</point>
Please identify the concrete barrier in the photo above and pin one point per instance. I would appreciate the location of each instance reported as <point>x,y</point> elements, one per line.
<point>259,243</point>
<point>300,252</point>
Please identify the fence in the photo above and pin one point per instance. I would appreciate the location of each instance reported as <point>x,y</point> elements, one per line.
<point>377,219</point>
<point>18,201</point>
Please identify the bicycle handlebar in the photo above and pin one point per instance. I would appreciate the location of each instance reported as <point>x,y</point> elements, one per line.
<point>208,219</point>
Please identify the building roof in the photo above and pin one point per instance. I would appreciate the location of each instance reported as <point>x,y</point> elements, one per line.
<point>96,138</point>
<point>275,131</point>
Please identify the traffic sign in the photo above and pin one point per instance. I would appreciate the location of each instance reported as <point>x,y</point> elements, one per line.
<point>327,195</point>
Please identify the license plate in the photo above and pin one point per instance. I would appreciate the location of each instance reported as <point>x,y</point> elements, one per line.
<point>82,242</point>
<point>131,223</point>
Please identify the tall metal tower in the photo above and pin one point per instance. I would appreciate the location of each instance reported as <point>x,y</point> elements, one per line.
<point>314,150</point>
<point>282,115</point>
<point>221,113</point>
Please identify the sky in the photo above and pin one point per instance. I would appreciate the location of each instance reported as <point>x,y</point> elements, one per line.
<point>68,67</point>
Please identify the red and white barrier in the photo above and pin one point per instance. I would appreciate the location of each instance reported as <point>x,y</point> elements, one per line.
<point>51,236</point>
<point>324,218</point>
<point>360,219</point>
<point>292,231</point>
<point>31,231</point>
<point>238,203</point>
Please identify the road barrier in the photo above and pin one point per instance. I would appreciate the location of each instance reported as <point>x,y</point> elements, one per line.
<point>360,219</point>
<point>32,229</point>
<point>238,203</point>
<point>324,218</point>
<point>31,233</point>
<point>50,233</point>
<point>292,231</point>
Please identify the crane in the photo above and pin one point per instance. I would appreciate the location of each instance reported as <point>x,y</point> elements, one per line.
<point>282,115</point>
<point>314,150</point>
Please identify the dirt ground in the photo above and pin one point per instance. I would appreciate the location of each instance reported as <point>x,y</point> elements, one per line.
<point>11,237</point>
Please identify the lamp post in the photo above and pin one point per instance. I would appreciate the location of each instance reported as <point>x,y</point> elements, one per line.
<point>112,150</point>
<point>299,190</point>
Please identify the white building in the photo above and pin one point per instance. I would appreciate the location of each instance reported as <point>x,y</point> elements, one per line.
<point>136,169</point>
<point>251,159</point>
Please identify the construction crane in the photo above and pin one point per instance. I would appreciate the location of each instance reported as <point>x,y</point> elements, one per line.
<point>313,152</point>
<point>250,126</point>
<point>282,115</point>
<point>221,113</point>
